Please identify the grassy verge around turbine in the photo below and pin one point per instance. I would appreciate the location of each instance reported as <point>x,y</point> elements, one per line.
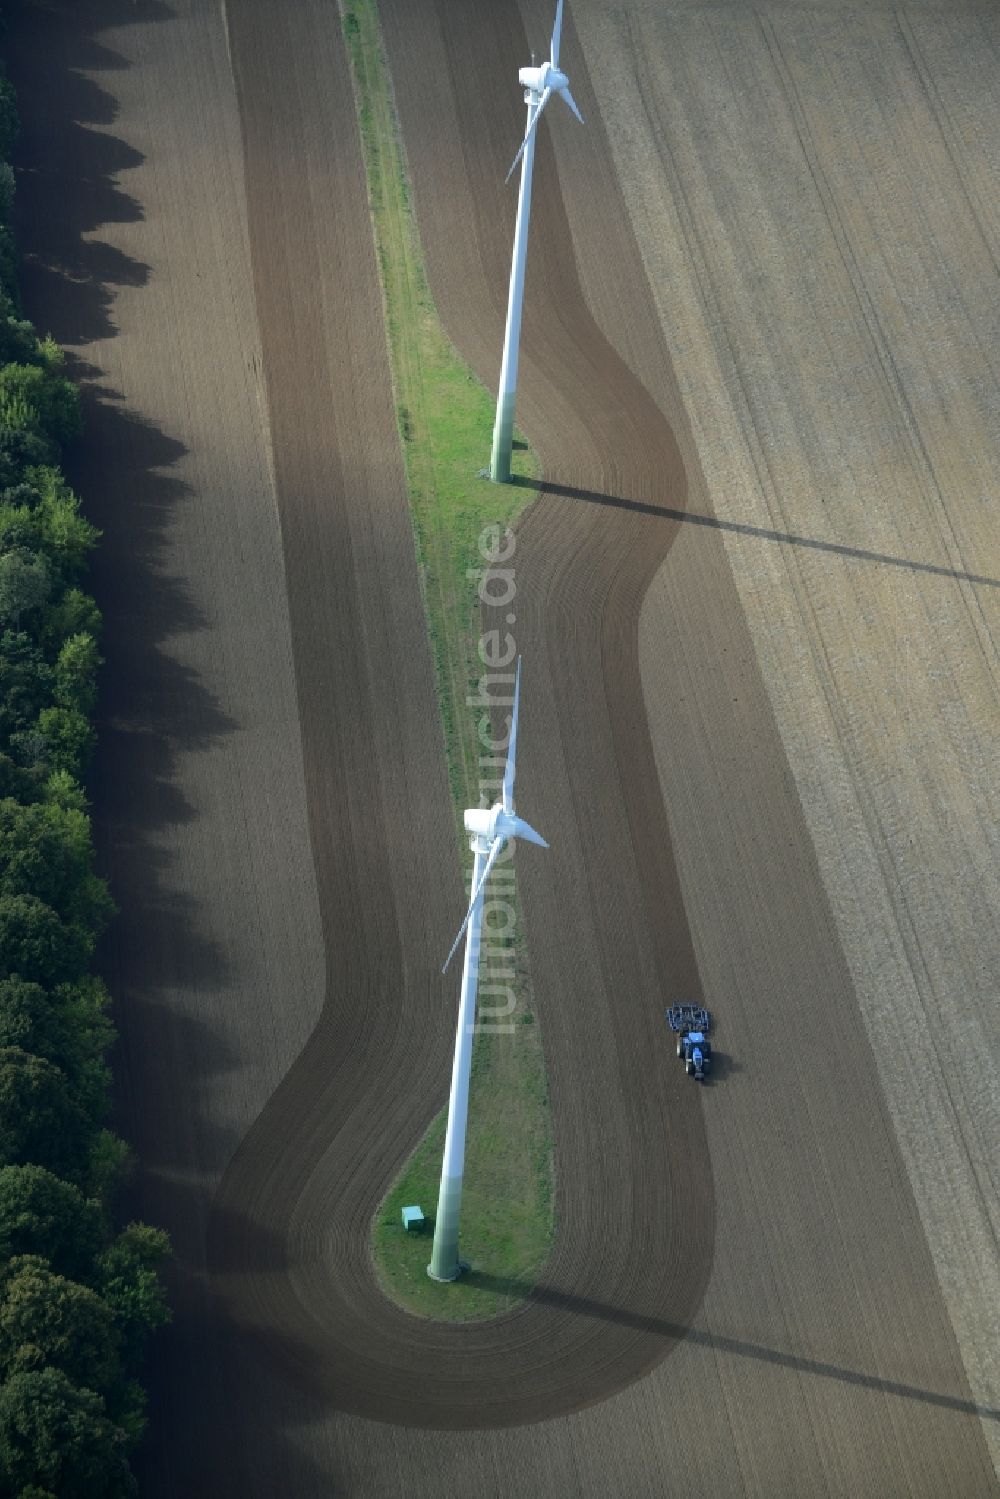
<point>445,421</point>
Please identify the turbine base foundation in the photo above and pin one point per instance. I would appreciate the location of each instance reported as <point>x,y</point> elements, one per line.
<point>445,1280</point>
<point>445,1263</point>
<point>503,439</point>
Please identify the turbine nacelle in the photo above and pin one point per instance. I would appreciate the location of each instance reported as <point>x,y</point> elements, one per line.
<point>539,79</point>
<point>494,824</point>
<point>493,827</point>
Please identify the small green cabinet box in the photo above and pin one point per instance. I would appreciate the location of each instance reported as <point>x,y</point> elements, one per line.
<point>413,1220</point>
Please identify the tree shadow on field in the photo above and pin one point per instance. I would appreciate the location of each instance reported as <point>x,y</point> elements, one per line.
<point>68,165</point>
<point>228,1381</point>
<point>758,533</point>
<point>212,1463</point>
<point>152,706</point>
<point>153,709</point>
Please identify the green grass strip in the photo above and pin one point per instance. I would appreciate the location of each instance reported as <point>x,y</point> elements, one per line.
<point>445,419</point>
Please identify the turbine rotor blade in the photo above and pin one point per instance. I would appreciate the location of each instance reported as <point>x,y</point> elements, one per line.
<point>546,96</point>
<point>572,104</point>
<point>507,800</point>
<point>495,848</point>
<point>556,34</point>
<point>522,829</point>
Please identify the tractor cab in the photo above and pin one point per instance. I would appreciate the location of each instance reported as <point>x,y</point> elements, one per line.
<point>697,1052</point>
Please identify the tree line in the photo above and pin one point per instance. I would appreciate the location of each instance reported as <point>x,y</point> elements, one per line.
<point>78,1294</point>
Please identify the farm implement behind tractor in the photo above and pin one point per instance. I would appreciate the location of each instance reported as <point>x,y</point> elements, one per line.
<point>692,1024</point>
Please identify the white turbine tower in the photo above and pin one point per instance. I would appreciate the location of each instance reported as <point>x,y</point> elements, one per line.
<point>539,86</point>
<point>490,831</point>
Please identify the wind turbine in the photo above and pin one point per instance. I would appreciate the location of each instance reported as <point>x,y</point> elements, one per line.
<point>539,86</point>
<point>490,831</point>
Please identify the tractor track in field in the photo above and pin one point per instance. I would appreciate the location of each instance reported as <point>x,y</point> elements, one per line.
<point>608,933</point>
<point>630,1264</point>
<point>818,1351</point>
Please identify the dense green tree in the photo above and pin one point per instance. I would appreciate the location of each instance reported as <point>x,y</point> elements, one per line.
<point>24,584</point>
<point>74,613</point>
<point>43,519</point>
<point>20,450</point>
<point>128,1280</point>
<point>87,1037</point>
<point>29,1018</point>
<point>61,790</point>
<point>19,781</point>
<point>26,682</point>
<point>8,260</point>
<point>69,1027</point>
<point>76,673</point>
<point>127,1408</point>
<point>69,739</point>
<point>10,125</point>
<point>7,190</point>
<point>56,1434</point>
<point>37,945</point>
<point>21,530</point>
<point>44,1215</point>
<point>46,851</point>
<point>51,355</point>
<point>36,398</point>
<point>67,536</point>
<point>18,340</point>
<point>109,1165</point>
<point>31,749</point>
<point>40,1121</point>
<point>22,497</point>
<point>49,1321</point>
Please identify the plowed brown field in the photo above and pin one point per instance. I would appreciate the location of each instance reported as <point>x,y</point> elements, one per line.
<point>274,811</point>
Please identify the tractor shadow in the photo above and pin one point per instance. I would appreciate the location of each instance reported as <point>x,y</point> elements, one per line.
<point>724,1066</point>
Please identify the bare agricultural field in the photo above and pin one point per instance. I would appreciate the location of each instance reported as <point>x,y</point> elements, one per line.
<point>816,194</point>
<point>751,1291</point>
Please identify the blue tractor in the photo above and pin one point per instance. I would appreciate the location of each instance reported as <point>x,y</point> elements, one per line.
<point>692,1024</point>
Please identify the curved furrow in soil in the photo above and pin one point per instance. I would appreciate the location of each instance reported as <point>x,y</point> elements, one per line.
<point>289,1242</point>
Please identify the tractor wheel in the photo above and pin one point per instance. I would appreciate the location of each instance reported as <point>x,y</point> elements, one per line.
<point>689,1068</point>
